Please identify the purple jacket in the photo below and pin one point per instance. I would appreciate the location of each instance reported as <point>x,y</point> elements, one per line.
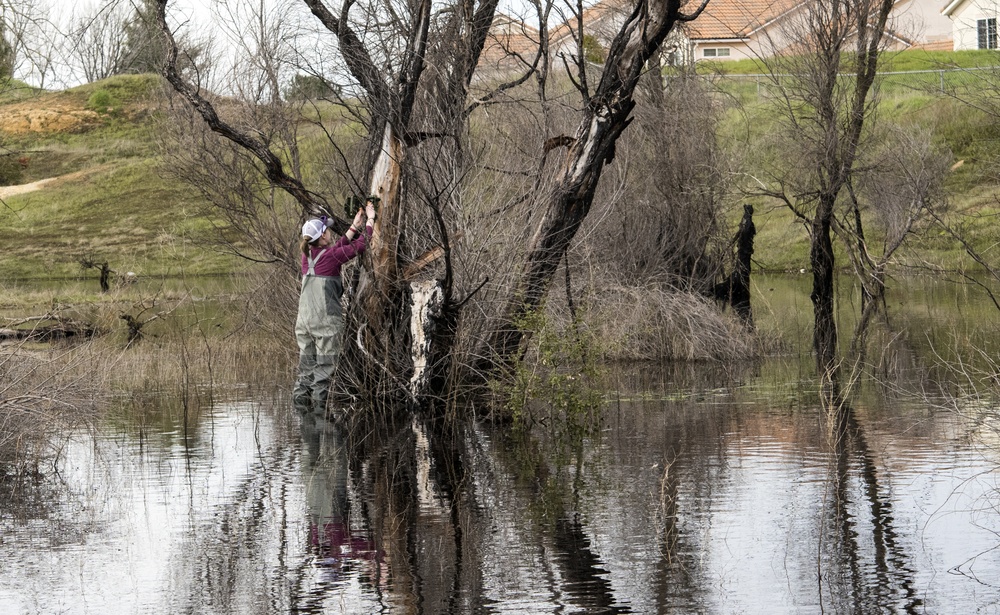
<point>328,261</point>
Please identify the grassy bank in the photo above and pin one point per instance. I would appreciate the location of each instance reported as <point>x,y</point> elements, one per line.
<point>103,196</point>
<point>107,200</point>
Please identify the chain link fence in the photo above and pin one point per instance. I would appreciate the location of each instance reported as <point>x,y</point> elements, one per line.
<point>748,88</point>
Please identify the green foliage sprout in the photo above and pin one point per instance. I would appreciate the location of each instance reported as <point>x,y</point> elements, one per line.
<point>593,51</point>
<point>557,374</point>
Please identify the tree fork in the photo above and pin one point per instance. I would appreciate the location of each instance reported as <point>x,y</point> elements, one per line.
<point>605,118</point>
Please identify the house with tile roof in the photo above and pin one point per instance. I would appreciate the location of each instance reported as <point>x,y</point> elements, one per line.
<point>974,23</point>
<point>726,30</point>
<point>510,48</point>
<point>736,29</point>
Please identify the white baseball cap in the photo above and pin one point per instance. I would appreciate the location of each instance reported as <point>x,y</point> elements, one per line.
<point>313,229</point>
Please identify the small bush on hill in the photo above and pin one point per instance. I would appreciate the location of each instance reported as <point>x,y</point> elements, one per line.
<point>102,101</point>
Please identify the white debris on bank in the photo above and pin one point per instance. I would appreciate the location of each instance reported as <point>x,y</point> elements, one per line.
<point>426,298</point>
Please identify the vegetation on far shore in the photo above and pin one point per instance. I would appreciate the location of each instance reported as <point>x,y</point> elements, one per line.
<point>104,196</point>
<point>109,201</point>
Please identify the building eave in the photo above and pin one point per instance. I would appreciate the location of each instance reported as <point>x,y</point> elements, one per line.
<point>952,7</point>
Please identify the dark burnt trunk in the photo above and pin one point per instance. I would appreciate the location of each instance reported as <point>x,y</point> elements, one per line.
<point>739,280</point>
<point>821,259</point>
<point>735,290</point>
<point>565,207</point>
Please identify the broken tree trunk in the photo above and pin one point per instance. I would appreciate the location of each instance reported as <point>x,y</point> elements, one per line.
<point>606,116</point>
<point>735,291</point>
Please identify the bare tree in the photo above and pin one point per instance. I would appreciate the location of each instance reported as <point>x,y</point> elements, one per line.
<point>412,69</point>
<point>668,222</point>
<point>827,80</point>
<point>567,199</point>
<point>32,41</point>
<point>99,40</point>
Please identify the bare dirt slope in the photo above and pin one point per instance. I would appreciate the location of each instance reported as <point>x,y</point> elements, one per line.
<point>8,191</point>
<point>52,115</point>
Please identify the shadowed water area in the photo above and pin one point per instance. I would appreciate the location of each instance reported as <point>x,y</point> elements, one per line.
<point>696,488</point>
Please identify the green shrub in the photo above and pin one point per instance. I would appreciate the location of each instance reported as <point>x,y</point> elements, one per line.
<point>102,101</point>
<point>593,51</point>
<point>557,381</point>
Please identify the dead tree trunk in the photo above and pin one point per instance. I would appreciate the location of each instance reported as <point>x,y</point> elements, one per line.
<point>821,259</point>
<point>739,280</point>
<point>606,116</point>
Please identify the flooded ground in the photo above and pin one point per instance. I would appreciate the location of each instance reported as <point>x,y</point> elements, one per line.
<point>702,489</point>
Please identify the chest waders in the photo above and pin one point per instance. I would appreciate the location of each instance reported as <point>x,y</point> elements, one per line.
<point>318,331</point>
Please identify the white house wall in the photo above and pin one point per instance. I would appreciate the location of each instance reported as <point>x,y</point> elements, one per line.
<point>737,51</point>
<point>964,22</point>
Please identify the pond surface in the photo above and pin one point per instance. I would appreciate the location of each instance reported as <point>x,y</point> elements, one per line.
<point>699,488</point>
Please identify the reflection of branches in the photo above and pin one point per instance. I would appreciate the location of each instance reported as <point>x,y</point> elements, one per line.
<point>891,569</point>
<point>224,561</point>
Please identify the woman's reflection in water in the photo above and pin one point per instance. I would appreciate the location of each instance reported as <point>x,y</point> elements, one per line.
<point>339,550</point>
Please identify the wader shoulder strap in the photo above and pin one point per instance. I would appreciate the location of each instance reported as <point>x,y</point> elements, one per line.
<point>312,260</point>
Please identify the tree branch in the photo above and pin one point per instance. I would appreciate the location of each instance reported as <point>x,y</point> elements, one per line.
<point>273,167</point>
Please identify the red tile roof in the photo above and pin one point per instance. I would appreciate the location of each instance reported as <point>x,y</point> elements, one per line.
<point>507,37</point>
<point>736,18</point>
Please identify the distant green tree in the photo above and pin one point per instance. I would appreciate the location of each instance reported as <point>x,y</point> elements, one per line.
<point>310,87</point>
<point>145,48</point>
<point>593,50</point>
<point>7,55</point>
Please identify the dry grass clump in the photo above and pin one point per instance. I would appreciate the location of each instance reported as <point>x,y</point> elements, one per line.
<point>185,363</point>
<point>646,323</point>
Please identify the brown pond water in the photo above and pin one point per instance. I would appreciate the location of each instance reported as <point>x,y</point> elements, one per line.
<point>703,488</point>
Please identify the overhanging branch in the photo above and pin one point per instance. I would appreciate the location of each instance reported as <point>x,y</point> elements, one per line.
<point>273,167</point>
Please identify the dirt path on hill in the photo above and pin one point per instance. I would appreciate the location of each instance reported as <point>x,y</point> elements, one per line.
<point>8,191</point>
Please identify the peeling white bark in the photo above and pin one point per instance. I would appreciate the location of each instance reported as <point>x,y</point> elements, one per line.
<point>384,171</point>
<point>426,300</point>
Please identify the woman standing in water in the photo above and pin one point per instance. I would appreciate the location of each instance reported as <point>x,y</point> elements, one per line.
<point>320,322</point>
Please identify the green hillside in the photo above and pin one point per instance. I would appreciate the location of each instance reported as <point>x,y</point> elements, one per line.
<point>99,194</point>
<point>919,95</point>
<point>102,195</point>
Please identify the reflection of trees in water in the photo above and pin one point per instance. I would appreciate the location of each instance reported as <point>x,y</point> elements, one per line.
<point>416,515</point>
<point>225,568</point>
<point>875,573</point>
<point>428,488</point>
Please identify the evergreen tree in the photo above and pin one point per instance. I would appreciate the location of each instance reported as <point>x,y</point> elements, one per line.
<point>7,54</point>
